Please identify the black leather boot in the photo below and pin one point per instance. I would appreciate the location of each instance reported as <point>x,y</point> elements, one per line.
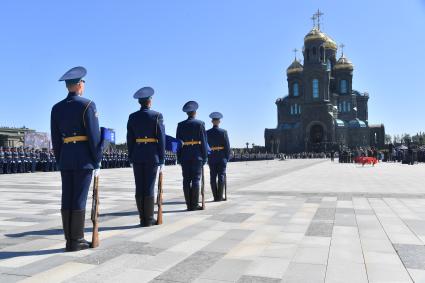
<point>77,231</point>
<point>195,200</point>
<point>214,190</point>
<point>66,217</point>
<point>139,203</point>
<point>220,191</point>
<point>148,210</point>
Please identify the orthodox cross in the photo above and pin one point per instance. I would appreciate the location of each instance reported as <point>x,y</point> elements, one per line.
<point>295,52</point>
<point>314,20</point>
<point>318,14</point>
<point>342,45</point>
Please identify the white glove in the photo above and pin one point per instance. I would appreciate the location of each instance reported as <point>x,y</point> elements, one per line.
<point>161,167</point>
<point>97,172</point>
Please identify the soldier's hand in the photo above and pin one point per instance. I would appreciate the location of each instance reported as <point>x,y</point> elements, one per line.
<point>97,172</point>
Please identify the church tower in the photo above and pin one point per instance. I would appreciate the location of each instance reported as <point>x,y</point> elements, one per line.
<point>322,111</point>
<point>319,53</point>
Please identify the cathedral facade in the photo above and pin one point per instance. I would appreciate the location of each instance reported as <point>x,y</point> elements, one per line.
<point>322,111</point>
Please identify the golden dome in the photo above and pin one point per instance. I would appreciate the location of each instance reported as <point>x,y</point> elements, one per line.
<point>295,67</point>
<point>330,44</point>
<point>344,63</point>
<point>316,34</point>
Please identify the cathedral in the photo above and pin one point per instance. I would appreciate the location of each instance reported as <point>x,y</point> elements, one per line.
<point>322,111</point>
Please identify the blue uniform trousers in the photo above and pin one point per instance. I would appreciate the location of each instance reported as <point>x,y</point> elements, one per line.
<point>75,188</point>
<point>192,171</point>
<point>14,166</point>
<point>217,174</point>
<point>145,176</point>
<point>33,165</point>
<point>7,167</point>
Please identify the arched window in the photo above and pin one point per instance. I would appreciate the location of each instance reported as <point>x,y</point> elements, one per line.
<point>340,107</point>
<point>322,54</point>
<point>343,86</point>
<point>315,88</point>
<point>292,109</point>
<point>308,54</point>
<point>295,89</point>
<point>314,51</point>
<point>348,107</point>
<point>296,109</point>
<point>299,109</point>
<point>344,106</point>
<point>328,65</point>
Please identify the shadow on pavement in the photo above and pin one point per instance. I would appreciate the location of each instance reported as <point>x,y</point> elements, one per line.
<point>7,255</point>
<point>50,232</point>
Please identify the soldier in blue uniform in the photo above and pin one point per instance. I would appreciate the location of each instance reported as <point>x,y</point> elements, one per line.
<point>33,160</point>
<point>2,160</point>
<point>15,160</point>
<point>77,145</point>
<point>146,149</point>
<point>23,162</point>
<point>218,142</point>
<point>193,154</point>
<point>8,159</point>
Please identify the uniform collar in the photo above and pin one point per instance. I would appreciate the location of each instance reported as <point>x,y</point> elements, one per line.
<point>190,118</point>
<point>144,108</point>
<point>215,126</point>
<point>71,94</point>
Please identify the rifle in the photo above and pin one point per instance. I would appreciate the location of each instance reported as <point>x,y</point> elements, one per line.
<point>159,199</point>
<point>225,186</point>
<point>203,188</point>
<point>95,213</point>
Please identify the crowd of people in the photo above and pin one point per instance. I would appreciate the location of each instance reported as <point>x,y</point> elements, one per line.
<point>119,159</point>
<point>405,154</point>
<point>348,155</point>
<point>237,157</point>
<point>28,160</point>
<point>306,155</point>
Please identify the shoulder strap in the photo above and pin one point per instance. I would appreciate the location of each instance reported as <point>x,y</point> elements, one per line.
<point>84,113</point>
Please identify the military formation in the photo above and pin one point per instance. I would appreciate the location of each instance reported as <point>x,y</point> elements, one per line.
<point>78,145</point>
<point>15,160</point>
<point>25,160</point>
<point>115,159</point>
<point>239,157</point>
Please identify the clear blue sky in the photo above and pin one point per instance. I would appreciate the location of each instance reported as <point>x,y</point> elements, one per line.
<point>229,55</point>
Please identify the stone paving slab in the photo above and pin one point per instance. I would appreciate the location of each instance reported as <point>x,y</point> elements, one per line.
<point>285,221</point>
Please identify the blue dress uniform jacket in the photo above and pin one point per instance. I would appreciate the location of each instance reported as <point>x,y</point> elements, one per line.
<point>217,137</point>
<point>217,161</point>
<point>192,130</point>
<point>146,123</point>
<point>146,148</point>
<point>71,117</point>
<point>192,155</point>
<point>76,116</point>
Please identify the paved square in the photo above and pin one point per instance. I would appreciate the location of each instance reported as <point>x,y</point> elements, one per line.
<point>285,221</point>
